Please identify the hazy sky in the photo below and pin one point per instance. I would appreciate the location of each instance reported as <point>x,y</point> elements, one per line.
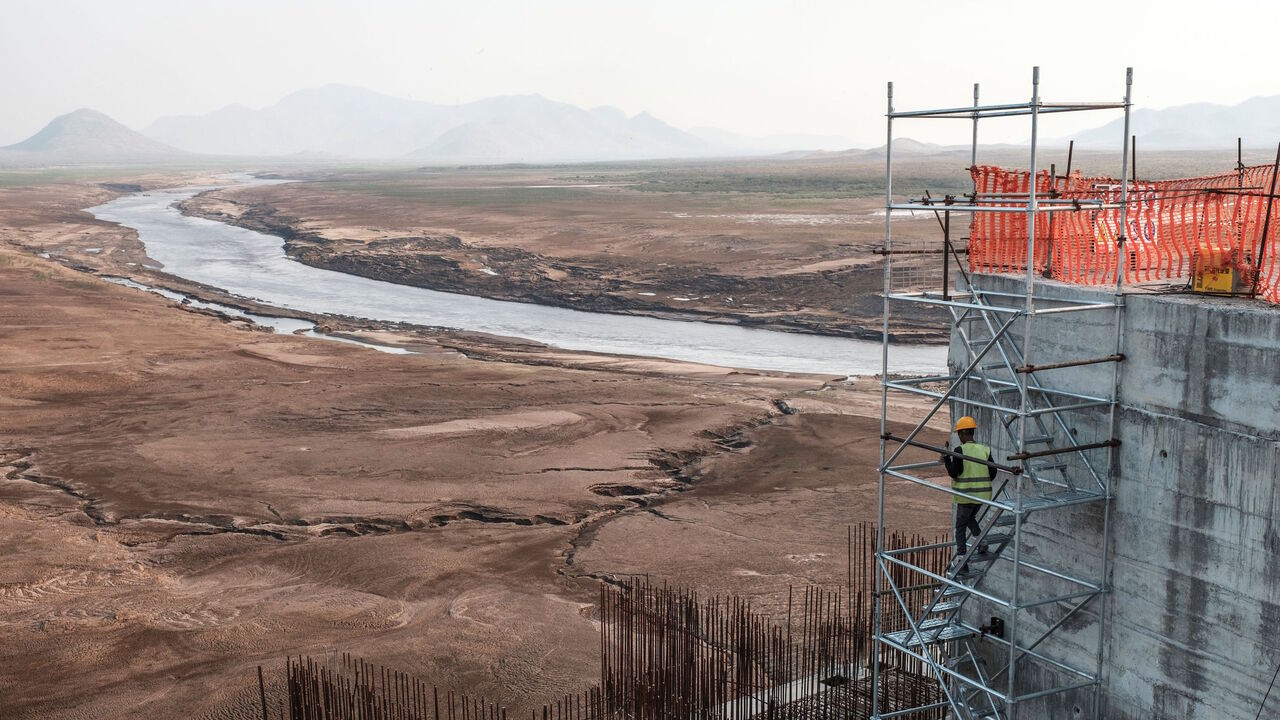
<point>750,67</point>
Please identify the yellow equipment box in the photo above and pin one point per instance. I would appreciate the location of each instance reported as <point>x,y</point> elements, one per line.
<point>1215,270</point>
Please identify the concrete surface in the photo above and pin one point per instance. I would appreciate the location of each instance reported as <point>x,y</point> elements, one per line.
<point>1193,617</point>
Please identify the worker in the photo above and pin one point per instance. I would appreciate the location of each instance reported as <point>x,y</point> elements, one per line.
<point>972,478</point>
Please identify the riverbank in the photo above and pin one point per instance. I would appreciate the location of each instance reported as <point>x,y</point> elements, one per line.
<point>253,265</point>
<point>795,265</point>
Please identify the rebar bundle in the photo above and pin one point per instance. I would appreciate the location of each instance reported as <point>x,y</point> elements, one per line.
<point>349,688</point>
<point>666,653</point>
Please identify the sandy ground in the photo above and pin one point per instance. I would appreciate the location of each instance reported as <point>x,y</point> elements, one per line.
<point>185,498</point>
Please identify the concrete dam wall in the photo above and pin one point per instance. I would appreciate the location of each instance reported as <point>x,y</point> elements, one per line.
<point>1192,619</point>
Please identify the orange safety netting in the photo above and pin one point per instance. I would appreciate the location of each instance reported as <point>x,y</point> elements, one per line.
<point>1171,226</point>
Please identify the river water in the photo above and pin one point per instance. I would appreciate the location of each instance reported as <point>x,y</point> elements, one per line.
<point>253,265</point>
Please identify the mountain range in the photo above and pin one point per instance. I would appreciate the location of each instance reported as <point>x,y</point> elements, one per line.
<point>337,121</point>
<point>359,123</point>
<point>1194,127</point>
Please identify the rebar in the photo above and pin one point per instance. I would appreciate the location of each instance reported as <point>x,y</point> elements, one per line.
<point>668,654</point>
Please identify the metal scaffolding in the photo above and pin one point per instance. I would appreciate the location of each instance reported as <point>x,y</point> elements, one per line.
<point>988,636</point>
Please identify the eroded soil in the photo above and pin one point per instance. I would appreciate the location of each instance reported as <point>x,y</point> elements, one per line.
<point>184,497</point>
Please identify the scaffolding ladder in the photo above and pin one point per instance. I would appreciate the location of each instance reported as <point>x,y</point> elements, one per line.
<point>986,627</point>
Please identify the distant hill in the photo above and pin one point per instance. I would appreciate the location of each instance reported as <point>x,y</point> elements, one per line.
<point>771,144</point>
<point>87,136</point>
<point>1194,127</point>
<point>531,128</point>
<point>359,123</point>
<point>335,119</point>
<point>907,146</point>
<point>903,147</point>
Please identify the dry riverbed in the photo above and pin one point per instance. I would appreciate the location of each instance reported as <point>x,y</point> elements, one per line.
<point>186,496</point>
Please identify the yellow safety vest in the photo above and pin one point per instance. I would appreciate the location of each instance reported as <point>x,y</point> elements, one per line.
<point>975,478</point>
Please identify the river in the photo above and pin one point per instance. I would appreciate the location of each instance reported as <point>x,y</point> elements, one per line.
<point>253,265</point>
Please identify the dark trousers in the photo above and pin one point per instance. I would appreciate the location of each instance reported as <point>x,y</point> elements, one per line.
<point>966,522</point>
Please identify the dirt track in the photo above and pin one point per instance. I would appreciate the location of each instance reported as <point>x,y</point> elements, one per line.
<point>185,498</point>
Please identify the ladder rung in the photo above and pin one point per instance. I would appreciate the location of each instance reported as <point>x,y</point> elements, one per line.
<point>951,632</point>
<point>1048,466</point>
<point>1058,499</point>
<point>1037,439</point>
<point>946,606</point>
<point>1005,519</point>
<point>998,538</point>
<point>932,623</point>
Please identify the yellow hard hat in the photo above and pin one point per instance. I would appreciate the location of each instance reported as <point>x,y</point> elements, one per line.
<point>966,423</point>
